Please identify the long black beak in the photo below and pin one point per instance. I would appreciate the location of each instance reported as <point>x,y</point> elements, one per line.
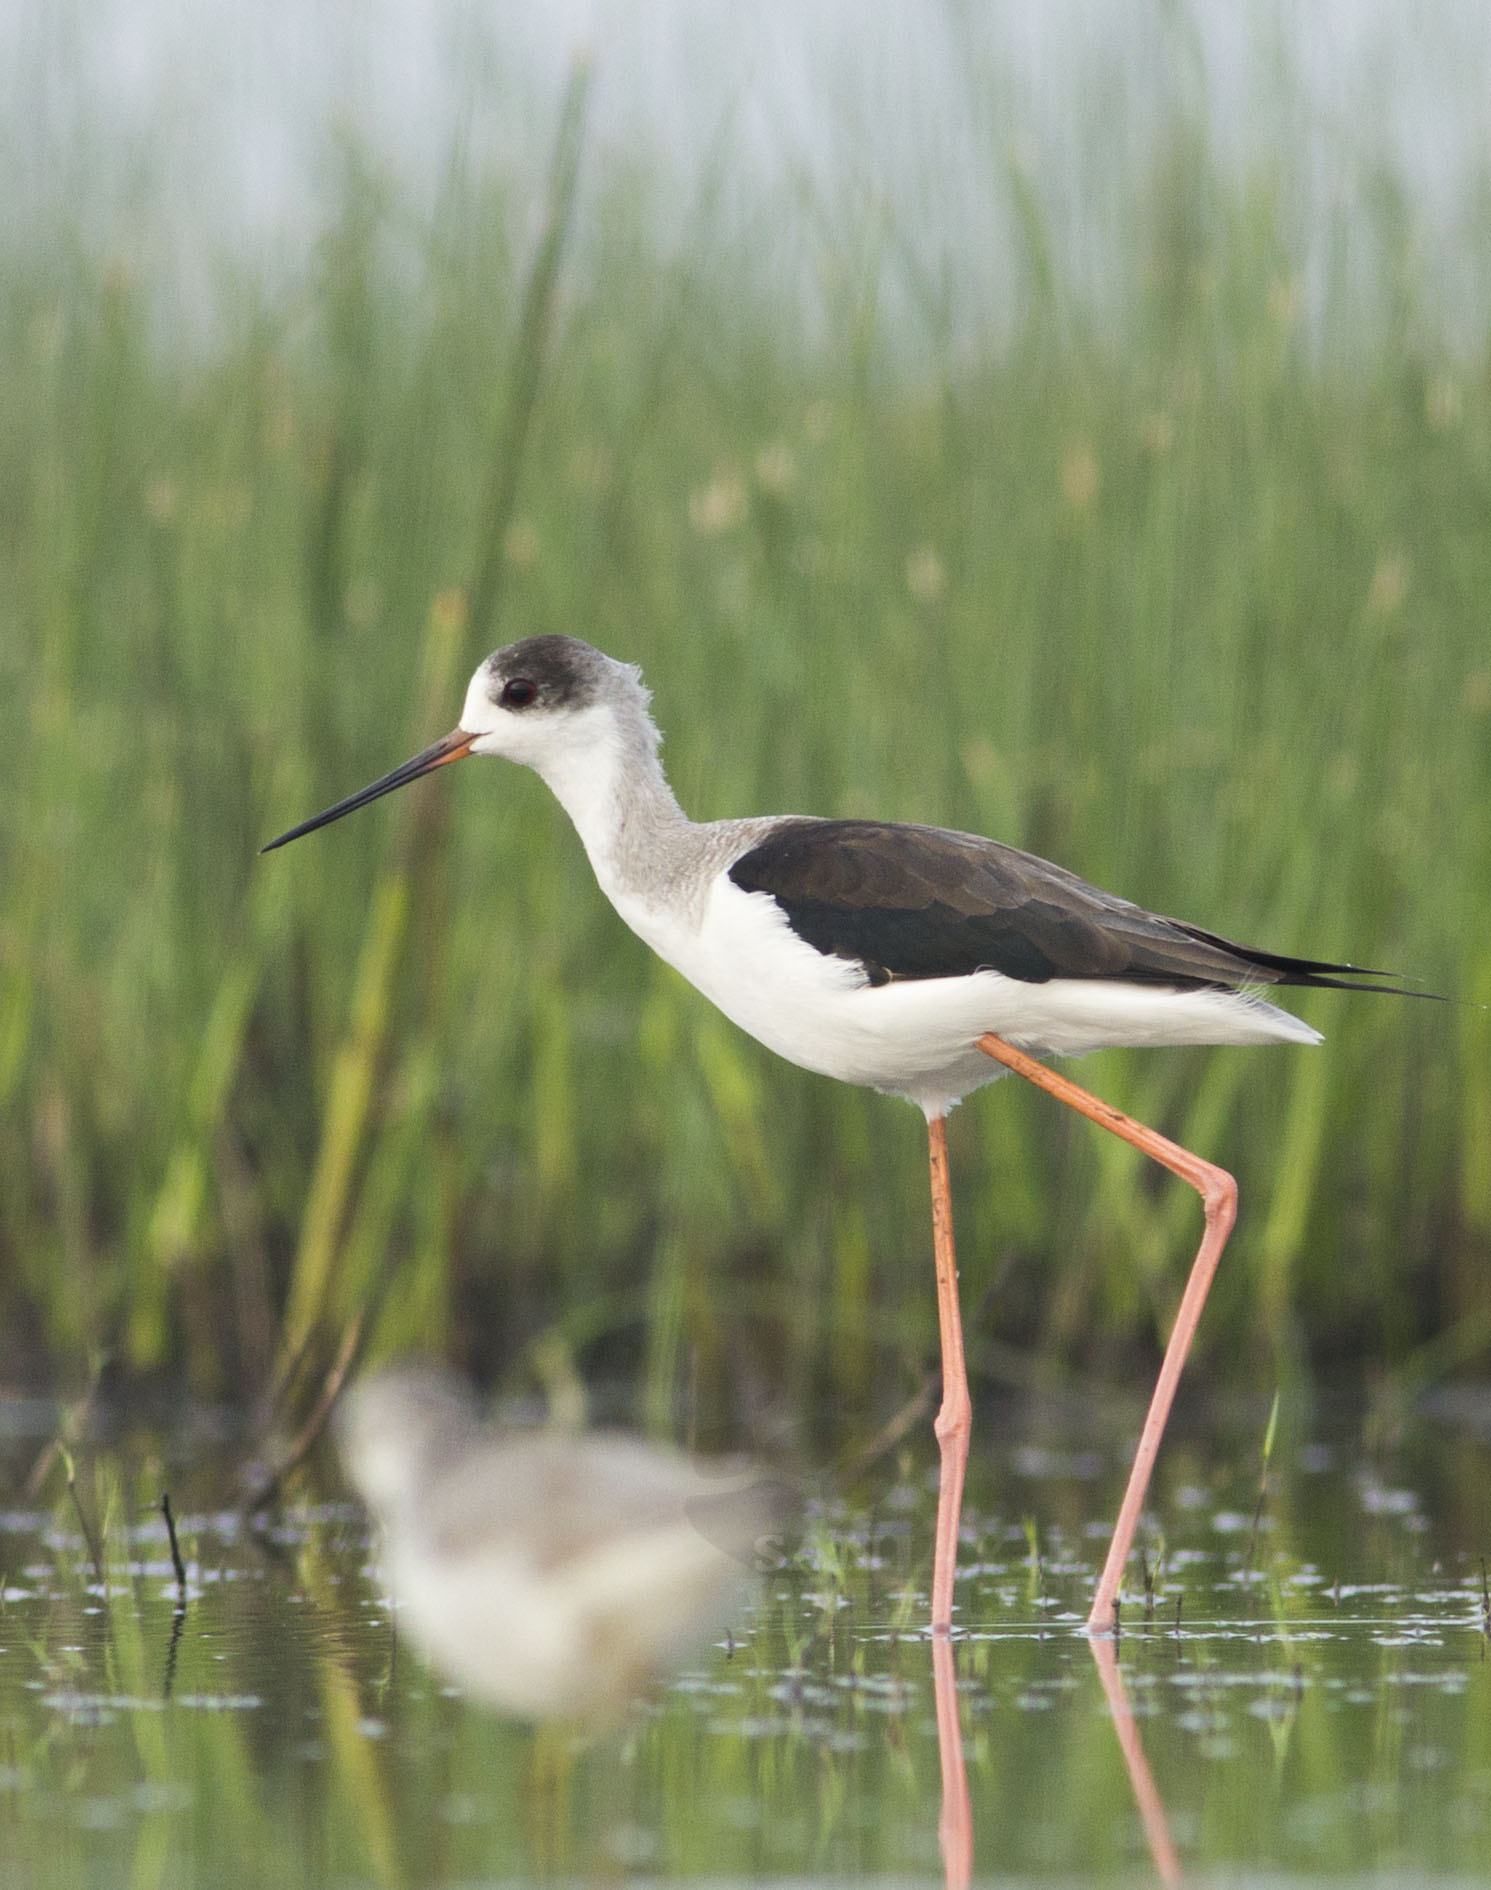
<point>452,747</point>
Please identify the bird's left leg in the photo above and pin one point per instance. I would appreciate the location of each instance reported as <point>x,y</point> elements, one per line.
<point>1218,1193</point>
<point>954,1423</point>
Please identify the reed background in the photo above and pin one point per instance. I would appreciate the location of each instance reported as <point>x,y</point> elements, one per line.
<point>1146,528</point>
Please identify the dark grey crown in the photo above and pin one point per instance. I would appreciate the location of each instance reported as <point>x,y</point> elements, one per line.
<point>565,673</point>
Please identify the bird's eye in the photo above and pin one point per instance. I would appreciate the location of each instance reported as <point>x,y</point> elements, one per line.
<point>518,693</point>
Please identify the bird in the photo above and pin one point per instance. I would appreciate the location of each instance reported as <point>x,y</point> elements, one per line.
<point>909,959</point>
<point>551,1575</point>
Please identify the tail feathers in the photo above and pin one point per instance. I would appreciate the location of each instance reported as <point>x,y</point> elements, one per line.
<point>1317,973</point>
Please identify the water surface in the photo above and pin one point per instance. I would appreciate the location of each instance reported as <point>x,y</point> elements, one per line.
<point>1310,1694</point>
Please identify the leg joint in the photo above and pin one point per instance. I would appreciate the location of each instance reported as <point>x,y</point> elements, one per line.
<point>1219,1195</point>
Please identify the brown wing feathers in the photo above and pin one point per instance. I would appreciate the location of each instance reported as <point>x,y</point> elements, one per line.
<point>922,902</point>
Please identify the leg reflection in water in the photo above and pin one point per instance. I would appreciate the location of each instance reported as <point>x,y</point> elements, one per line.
<point>955,1826</point>
<point>1146,1793</point>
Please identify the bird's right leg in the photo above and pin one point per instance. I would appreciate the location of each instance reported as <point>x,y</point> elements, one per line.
<point>1218,1193</point>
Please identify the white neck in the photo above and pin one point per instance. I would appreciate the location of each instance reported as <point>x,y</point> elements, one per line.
<point>608,779</point>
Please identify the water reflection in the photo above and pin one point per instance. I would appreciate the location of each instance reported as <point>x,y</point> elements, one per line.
<point>1150,1805</point>
<point>955,1831</point>
<point>955,1825</point>
<point>552,1575</point>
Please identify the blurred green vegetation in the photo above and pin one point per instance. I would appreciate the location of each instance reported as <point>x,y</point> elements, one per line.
<point>1190,596</point>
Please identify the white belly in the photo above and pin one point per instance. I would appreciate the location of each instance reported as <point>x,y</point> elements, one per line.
<point>916,1038</point>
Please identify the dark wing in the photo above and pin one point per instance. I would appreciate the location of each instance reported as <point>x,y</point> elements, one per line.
<point>922,902</point>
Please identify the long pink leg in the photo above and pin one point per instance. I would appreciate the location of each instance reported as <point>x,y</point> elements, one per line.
<point>955,1419</point>
<point>1218,1193</point>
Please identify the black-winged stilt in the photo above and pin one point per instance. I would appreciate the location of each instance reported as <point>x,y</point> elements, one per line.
<point>909,959</point>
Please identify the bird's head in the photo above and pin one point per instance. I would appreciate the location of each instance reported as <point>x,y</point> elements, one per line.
<point>547,702</point>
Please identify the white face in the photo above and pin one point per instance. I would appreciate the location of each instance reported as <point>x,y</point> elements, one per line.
<point>524,732</point>
<point>530,729</point>
<point>481,716</point>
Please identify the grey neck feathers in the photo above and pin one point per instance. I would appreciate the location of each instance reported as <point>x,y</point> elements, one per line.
<point>650,839</point>
<point>643,848</point>
<point>611,784</point>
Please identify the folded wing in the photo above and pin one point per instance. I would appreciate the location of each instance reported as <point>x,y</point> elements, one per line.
<point>924,902</point>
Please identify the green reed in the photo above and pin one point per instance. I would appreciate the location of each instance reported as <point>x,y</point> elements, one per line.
<point>1190,598</point>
